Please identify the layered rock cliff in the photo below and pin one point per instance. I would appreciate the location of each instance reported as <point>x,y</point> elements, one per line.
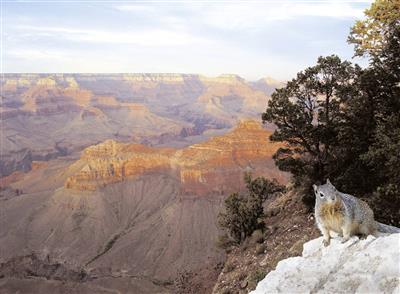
<point>46,113</point>
<point>201,168</point>
<point>112,162</point>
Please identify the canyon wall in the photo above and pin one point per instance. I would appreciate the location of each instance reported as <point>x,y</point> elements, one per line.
<point>51,115</point>
<point>214,166</point>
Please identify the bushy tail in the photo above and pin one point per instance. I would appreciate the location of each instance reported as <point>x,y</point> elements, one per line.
<point>387,229</point>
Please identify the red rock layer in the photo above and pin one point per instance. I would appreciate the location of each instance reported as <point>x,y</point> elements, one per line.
<point>216,165</point>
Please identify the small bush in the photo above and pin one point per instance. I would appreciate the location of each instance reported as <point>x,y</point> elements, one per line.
<point>245,245</point>
<point>272,229</point>
<point>255,277</point>
<point>229,266</point>
<point>241,276</point>
<point>244,213</point>
<point>224,242</point>
<point>257,237</point>
<point>272,211</point>
<point>260,249</point>
<point>262,187</point>
<point>297,248</point>
<point>385,203</point>
<point>241,216</point>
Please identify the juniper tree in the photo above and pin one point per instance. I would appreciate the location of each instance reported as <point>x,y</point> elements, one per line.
<point>307,113</point>
<point>370,35</point>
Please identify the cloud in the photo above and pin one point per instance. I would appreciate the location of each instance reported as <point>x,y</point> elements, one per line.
<point>149,37</point>
<point>256,15</point>
<point>243,14</point>
<point>35,54</point>
<point>135,8</point>
<point>247,37</point>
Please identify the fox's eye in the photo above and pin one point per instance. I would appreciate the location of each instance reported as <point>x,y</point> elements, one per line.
<point>321,195</point>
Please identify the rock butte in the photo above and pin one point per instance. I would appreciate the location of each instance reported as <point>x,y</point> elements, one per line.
<point>201,168</point>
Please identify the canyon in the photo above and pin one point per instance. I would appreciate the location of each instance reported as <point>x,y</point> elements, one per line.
<point>197,166</point>
<point>114,182</point>
<point>49,115</point>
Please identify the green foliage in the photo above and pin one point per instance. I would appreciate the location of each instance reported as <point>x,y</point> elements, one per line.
<point>257,236</point>
<point>307,113</point>
<point>369,36</point>
<point>224,242</point>
<point>343,122</point>
<point>243,213</point>
<point>260,248</point>
<point>229,266</point>
<point>386,205</point>
<point>262,187</point>
<point>378,108</point>
<point>383,155</point>
<point>255,277</point>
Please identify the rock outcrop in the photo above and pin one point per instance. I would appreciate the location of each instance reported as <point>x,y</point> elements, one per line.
<point>112,162</point>
<point>218,164</point>
<point>357,266</point>
<point>201,168</point>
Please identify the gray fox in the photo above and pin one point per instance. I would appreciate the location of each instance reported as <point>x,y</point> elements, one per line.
<point>344,214</point>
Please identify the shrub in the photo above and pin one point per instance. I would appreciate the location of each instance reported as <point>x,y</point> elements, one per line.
<point>244,213</point>
<point>229,266</point>
<point>241,215</point>
<point>257,236</point>
<point>260,248</point>
<point>385,203</point>
<point>262,187</point>
<point>241,276</point>
<point>255,277</point>
<point>224,242</point>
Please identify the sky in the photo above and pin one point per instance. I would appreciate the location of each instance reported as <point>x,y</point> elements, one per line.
<point>251,38</point>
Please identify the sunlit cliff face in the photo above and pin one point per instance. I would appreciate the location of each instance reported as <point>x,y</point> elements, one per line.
<point>48,115</point>
<point>216,165</point>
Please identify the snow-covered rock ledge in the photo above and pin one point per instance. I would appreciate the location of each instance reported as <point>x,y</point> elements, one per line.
<point>371,265</point>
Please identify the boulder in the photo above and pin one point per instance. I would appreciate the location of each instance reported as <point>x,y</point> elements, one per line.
<point>371,265</point>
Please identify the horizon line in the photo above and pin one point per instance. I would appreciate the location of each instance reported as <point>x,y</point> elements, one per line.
<point>144,73</point>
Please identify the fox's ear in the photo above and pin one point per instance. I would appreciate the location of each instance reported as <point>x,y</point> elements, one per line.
<point>315,188</point>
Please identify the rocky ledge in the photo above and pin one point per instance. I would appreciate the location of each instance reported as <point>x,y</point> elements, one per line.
<point>371,265</point>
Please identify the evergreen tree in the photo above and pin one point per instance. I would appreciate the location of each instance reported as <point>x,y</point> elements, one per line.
<point>341,122</point>
<point>370,35</point>
<point>307,113</point>
<point>383,155</point>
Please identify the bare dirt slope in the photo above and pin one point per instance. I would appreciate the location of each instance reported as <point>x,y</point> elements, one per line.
<point>288,226</point>
<point>139,227</point>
